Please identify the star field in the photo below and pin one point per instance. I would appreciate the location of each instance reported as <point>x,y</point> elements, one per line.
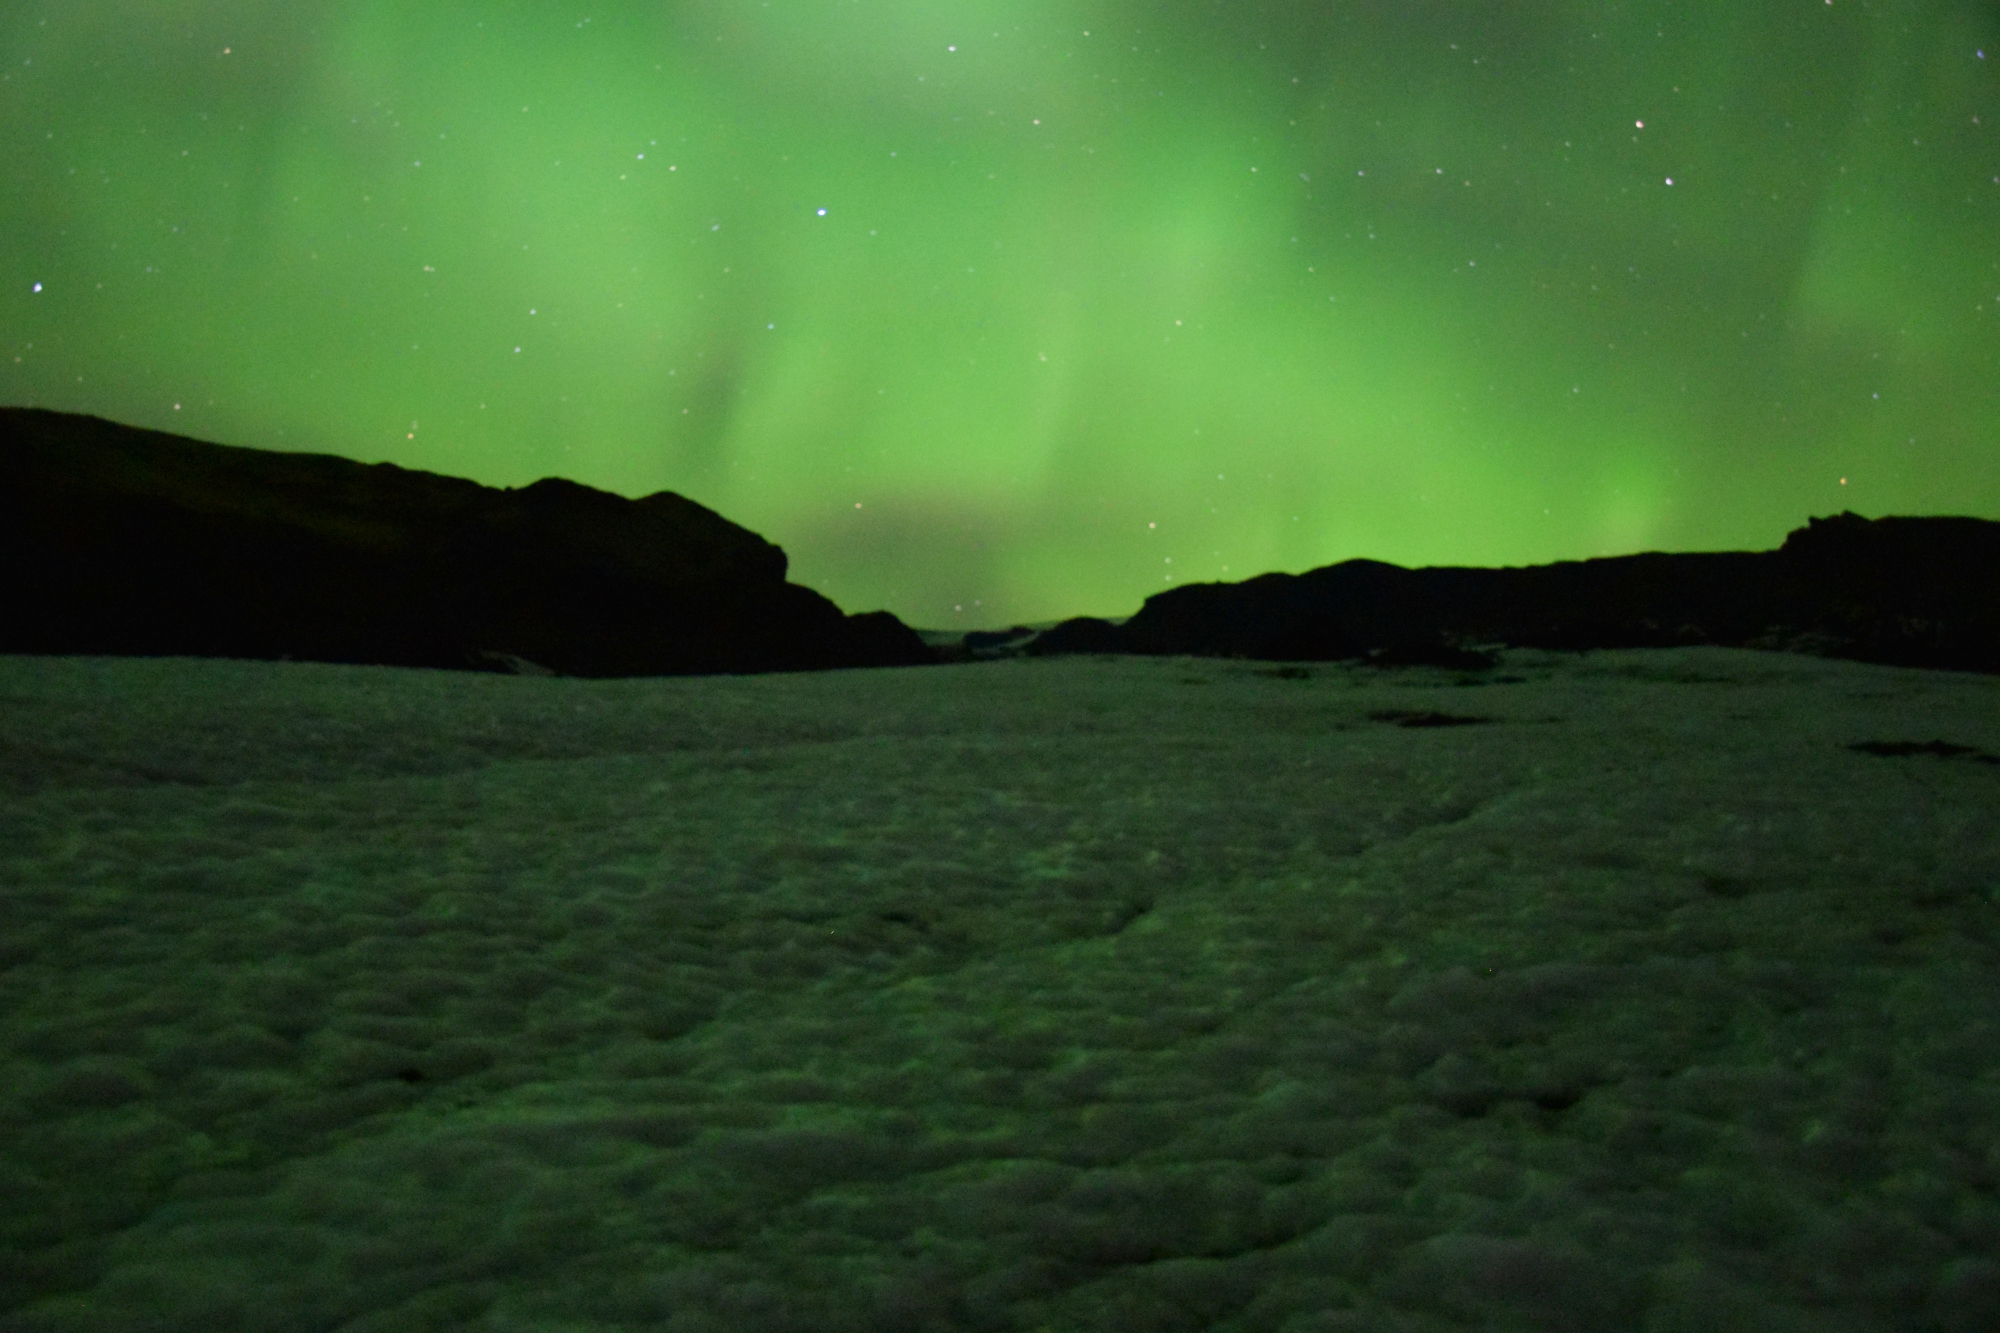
<point>992,313</point>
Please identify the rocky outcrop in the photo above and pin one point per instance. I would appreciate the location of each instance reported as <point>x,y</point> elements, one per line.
<point>116,540</point>
<point>1903,591</point>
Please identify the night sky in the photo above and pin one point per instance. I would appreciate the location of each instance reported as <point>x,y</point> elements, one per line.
<point>1020,309</point>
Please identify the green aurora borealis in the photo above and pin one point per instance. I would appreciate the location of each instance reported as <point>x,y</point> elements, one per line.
<point>990,311</point>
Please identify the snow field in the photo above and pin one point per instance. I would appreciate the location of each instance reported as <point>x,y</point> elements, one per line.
<point>1075,994</point>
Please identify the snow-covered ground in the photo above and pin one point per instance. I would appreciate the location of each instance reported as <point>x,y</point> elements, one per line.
<point>1131,995</point>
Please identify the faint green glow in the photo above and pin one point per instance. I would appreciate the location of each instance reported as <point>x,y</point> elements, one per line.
<point>968,309</point>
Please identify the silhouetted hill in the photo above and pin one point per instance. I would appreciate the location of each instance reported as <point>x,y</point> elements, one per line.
<point>117,540</point>
<point>1902,591</point>
<point>124,541</point>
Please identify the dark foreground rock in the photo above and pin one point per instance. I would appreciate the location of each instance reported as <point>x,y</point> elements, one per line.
<point>122,541</point>
<point>1904,591</point>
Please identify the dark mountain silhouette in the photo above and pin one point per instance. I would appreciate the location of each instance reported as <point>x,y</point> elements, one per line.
<point>124,541</point>
<point>1916,592</point>
<point>116,540</point>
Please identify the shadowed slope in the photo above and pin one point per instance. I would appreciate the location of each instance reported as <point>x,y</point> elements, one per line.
<point>1899,591</point>
<point>124,541</point>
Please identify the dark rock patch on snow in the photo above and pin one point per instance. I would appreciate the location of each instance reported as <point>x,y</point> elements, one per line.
<point>1940,749</point>
<point>1404,717</point>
